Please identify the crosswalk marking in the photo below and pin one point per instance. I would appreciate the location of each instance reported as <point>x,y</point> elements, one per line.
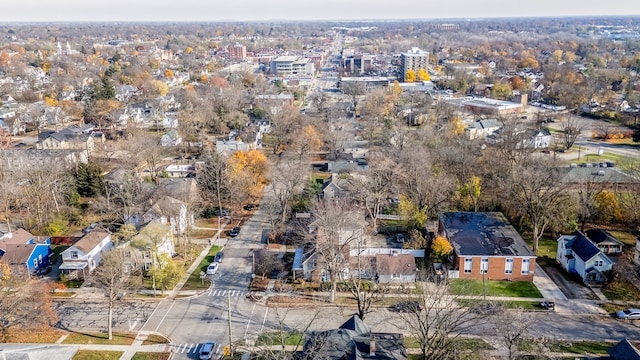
<point>232,293</point>
<point>185,348</point>
<point>191,348</point>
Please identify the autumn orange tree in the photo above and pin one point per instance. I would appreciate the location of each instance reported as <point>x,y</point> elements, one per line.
<point>247,170</point>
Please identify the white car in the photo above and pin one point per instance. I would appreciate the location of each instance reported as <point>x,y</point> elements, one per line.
<point>629,314</point>
<point>212,268</point>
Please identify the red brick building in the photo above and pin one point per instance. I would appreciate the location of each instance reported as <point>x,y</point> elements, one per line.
<point>486,246</point>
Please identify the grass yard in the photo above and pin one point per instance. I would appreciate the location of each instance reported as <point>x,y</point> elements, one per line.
<point>194,282</point>
<point>153,339</point>
<point>97,355</point>
<point>621,289</point>
<point>525,305</point>
<point>581,347</point>
<point>628,239</point>
<point>275,338</point>
<point>100,338</point>
<point>495,288</point>
<point>19,335</point>
<point>151,356</point>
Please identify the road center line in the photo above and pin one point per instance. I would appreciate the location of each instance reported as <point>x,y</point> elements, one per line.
<point>165,315</point>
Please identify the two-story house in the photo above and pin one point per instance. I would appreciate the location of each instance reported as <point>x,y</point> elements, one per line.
<point>579,255</point>
<point>169,211</point>
<point>25,253</point>
<point>73,137</point>
<point>81,258</point>
<point>143,251</point>
<point>486,246</point>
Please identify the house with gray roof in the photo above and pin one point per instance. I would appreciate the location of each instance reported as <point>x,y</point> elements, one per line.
<point>482,128</point>
<point>84,256</point>
<point>353,340</point>
<point>486,246</point>
<point>579,255</point>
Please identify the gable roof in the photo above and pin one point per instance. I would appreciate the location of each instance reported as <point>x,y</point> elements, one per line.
<point>90,240</point>
<point>20,236</point>
<point>403,264</point>
<point>166,206</point>
<point>624,350</point>
<point>17,253</point>
<point>600,236</point>
<point>582,247</point>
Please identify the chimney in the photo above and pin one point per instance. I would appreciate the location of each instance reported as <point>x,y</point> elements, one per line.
<point>372,347</point>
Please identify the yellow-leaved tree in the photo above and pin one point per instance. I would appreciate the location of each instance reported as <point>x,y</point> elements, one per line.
<point>423,75</point>
<point>415,216</point>
<point>410,76</point>
<point>440,248</point>
<point>169,74</point>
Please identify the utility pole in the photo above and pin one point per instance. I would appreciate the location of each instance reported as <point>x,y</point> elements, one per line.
<point>229,317</point>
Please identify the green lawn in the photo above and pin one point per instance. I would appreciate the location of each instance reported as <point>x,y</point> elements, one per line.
<point>581,347</point>
<point>100,338</point>
<point>526,305</point>
<point>547,250</point>
<point>155,339</point>
<point>495,288</point>
<point>151,356</point>
<point>275,338</point>
<point>97,355</point>
<point>628,239</point>
<point>194,282</point>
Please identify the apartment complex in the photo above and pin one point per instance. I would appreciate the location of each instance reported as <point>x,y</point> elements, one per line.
<point>289,65</point>
<point>237,51</point>
<point>414,59</point>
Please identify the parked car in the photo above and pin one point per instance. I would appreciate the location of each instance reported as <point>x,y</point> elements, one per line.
<point>234,232</point>
<point>219,257</point>
<point>207,350</point>
<point>43,271</point>
<point>212,268</point>
<point>221,212</point>
<point>250,207</point>
<point>629,314</point>
<point>407,306</point>
<point>549,305</point>
<point>400,238</point>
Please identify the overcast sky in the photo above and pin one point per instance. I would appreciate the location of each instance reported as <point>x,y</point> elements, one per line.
<point>214,10</point>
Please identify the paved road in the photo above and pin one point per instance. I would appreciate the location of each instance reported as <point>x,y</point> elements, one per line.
<point>192,321</point>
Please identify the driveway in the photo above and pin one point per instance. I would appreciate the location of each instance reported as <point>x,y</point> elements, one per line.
<point>571,289</point>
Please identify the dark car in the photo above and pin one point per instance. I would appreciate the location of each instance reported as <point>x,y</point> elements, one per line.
<point>407,306</point>
<point>234,232</point>
<point>250,207</point>
<point>43,271</point>
<point>219,256</point>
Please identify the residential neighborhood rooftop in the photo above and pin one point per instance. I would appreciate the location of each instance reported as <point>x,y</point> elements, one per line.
<point>483,233</point>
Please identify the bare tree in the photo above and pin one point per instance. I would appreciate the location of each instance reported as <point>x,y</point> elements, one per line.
<point>355,91</point>
<point>512,326</point>
<point>588,191</point>
<point>287,174</point>
<point>362,286</point>
<point>112,278</point>
<point>338,228</point>
<point>572,126</point>
<point>438,321</point>
<point>23,303</point>
<point>538,194</point>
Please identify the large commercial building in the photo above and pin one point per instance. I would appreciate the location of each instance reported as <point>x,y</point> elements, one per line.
<point>414,59</point>
<point>288,65</point>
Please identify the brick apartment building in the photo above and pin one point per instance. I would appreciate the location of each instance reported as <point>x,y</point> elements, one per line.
<point>486,245</point>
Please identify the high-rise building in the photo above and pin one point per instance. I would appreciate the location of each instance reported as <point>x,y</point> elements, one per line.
<point>414,59</point>
<point>237,51</point>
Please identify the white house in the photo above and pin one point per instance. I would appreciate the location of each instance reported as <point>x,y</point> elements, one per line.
<point>482,128</point>
<point>171,212</point>
<point>154,239</point>
<point>84,256</point>
<point>579,255</point>
<point>537,139</point>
